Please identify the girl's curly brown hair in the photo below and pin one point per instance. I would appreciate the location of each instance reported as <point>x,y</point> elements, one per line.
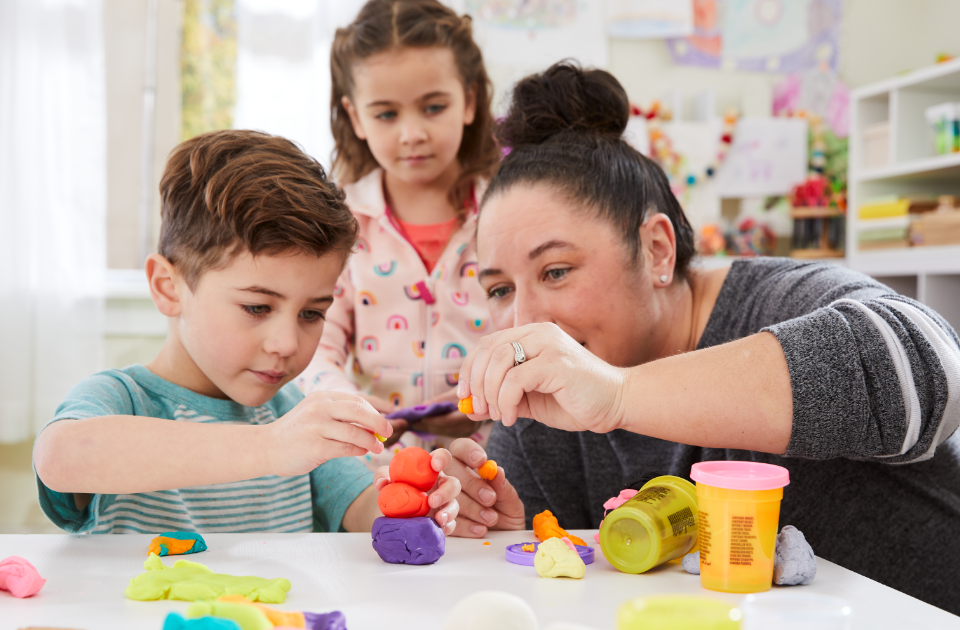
<point>385,24</point>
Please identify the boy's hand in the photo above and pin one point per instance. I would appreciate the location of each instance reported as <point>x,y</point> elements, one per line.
<point>486,504</point>
<point>323,426</point>
<point>442,498</point>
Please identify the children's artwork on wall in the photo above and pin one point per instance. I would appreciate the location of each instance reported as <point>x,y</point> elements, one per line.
<point>535,35</point>
<point>703,46</point>
<point>649,19</point>
<point>819,92</point>
<point>781,36</point>
<point>768,157</point>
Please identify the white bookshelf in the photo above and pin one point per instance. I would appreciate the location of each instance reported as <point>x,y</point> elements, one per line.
<point>929,274</point>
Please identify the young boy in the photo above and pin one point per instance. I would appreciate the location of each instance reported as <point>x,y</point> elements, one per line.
<point>209,436</point>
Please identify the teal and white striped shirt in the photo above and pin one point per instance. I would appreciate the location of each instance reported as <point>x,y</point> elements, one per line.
<point>314,502</point>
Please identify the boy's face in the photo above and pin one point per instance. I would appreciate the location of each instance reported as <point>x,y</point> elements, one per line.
<point>410,106</point>
<point>250,328</point>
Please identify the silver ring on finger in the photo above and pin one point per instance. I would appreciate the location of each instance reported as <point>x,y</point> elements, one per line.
<point>518,354</point>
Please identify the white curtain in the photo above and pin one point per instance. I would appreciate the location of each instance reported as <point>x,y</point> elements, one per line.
<point>283,68</point>
<point>52,205</point>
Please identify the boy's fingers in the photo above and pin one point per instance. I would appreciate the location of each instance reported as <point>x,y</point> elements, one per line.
<point>358,411</point>
<point>351,434</point>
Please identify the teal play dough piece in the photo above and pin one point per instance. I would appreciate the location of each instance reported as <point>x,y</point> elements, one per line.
<point>190,581</point>
<point>175,621</point>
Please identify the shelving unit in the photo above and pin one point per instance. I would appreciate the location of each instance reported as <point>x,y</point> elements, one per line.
<point>929,274</point>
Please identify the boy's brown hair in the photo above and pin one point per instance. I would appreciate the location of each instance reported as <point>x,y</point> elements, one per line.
<point>226,192</point>
<point>382,25</point>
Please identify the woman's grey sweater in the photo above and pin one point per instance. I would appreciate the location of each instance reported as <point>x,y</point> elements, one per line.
<point>874,463</point>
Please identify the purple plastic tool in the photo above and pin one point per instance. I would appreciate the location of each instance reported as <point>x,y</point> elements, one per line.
<point>517,555</point>
<point>419,412</point>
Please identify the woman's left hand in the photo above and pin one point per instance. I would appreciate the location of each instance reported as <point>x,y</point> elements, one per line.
<point>442,498</point>
<point>561,384</point>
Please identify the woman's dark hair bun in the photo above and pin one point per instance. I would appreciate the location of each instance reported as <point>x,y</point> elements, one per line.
<point>564,97</point>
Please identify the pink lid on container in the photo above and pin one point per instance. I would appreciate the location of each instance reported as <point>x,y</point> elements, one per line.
<point>740,475</point>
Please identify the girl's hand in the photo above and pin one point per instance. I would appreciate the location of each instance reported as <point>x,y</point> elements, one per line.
<point>442,498</point>
<point>561,384</point>
<point>323,426</point>
<point>484,504</point>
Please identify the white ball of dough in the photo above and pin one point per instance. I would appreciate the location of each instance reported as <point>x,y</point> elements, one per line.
<point>489,610</point>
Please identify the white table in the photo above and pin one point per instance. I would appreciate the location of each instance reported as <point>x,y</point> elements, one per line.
<point>86,577</point>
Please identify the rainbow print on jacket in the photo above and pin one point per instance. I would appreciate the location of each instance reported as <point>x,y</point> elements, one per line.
<point>412,291</point>
<point>477,325</point>
<point>468,270</point>
<point>452,378</point>
<point>362,245</point>
<point>397,322</point>
<point>385,269</point>
<point>366,298</point>
<point>417,379</point>
<point>460,299</point>
<point>396,399</point>
<point>370,344</point>
<point>418,348</point>
<point>453,351</point>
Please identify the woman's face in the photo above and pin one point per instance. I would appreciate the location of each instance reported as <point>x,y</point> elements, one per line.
<point>543,258</point>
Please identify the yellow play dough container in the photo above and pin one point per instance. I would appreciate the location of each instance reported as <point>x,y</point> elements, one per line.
<point>655,526</point>
<point>739,514</point>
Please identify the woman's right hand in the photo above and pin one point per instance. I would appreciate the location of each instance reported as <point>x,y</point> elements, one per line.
<point>321,427</point>
<point>484,504</point>
<point>561,384</point>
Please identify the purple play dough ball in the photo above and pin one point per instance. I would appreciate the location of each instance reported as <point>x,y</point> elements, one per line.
<point>416,540</point>
<point>325,621</point>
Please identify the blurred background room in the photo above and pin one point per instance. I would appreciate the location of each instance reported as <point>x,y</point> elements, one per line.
<point>820,129</point>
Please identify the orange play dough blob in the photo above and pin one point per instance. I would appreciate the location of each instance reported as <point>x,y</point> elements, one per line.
<point>466,405</point>
<point>545,526</point>
<point>412,466</point>
<point>488,471</point>
<point>399,500</point>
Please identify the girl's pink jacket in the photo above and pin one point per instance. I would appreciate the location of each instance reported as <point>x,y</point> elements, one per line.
<point>408,330</point>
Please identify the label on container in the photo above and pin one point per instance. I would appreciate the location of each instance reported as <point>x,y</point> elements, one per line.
<point>743,534</point>
<point>681,521</point>
<point>704,539</point>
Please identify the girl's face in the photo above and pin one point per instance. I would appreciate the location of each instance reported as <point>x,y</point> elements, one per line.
<point>410,106</point>
<point>544,259</point>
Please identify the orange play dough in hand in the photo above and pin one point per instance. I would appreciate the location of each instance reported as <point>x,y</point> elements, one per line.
<point>545,525</point>
<point>488,471</point>
<point>413,466</point>
<point>399,500</point>
<point>466,405</point>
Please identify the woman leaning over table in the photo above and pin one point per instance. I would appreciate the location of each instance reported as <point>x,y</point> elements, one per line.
<point>636,361</point>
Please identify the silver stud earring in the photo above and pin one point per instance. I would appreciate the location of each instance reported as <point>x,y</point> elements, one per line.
<point>663,278</point>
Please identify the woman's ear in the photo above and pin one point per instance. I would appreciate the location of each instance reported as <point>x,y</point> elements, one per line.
<point>470,106</point>
<point>163,280</point>
<point>354,117</point>
<point>659,243</point>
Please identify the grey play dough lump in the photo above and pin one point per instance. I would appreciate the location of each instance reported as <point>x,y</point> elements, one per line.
<point>794,562</point>
<point>691,563</point>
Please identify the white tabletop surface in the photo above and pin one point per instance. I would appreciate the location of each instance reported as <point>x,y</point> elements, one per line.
<point>86,577</point>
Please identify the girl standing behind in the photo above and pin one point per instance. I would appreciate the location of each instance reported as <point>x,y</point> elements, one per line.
<point>414,147</point>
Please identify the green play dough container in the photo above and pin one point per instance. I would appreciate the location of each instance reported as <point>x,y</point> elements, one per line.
<point>655,526</point>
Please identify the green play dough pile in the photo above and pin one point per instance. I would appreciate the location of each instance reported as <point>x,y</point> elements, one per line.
<point>190,581</point>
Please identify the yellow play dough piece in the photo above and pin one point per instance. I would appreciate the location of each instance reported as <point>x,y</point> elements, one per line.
<point>555,559</point>
<point>191,581</point>
<point>248,617</point>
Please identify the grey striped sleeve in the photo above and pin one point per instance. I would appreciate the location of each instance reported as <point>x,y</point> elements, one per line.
<point>875,379</point>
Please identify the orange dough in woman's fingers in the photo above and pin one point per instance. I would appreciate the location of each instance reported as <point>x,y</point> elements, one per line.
<point>466,405</point>
<point>488,471</point>
<point>412,466</point>
<point>399,500</point>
